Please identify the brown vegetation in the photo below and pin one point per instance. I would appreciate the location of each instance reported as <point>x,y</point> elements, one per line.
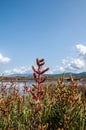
<point>45,106</point>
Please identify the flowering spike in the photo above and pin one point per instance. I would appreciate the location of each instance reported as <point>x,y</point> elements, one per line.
<point>41,60</point>
<point>34,74</point>
<point>44,70</point>
<point>38,95</point>
<point>35,86</point>
<point>43,79</point>
<point>37,61</point>
<point>33,68</point>
<point>42,63</point>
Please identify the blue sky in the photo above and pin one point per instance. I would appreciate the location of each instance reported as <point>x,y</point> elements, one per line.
<point>50,29</point>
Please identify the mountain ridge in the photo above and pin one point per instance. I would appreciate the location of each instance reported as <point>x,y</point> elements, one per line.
<point>82,74</point>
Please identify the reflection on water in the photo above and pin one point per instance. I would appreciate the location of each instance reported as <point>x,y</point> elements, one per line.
<point>20,85</point>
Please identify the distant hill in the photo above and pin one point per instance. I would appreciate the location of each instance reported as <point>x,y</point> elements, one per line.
<point>21,75</point>
<point>83,74</point>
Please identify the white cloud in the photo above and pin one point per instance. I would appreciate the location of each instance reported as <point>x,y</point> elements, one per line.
<point>81,49</point>
<point>78,63</point>
<point>4,59</point>
<point>64,61</point>
<point>71,64</point>
<point>20,70</point>
<point>61,69</point>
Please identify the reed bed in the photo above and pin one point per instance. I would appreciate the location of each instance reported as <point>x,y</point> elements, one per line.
<point>44,106</point>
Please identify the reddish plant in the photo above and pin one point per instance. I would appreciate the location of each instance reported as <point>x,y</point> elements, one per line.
<point>37,89</point>
<point>25,88</point>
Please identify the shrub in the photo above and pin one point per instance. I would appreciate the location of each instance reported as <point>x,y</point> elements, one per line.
<point>44,106</point>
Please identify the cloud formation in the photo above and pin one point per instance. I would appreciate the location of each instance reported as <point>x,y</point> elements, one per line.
<point>3,59</point>
<point>74,64</point>
<point>77,64</point>
<point>20,70</point>
<point>81,49</point>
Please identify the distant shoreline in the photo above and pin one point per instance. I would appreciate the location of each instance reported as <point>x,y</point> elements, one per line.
<point>28,78</point>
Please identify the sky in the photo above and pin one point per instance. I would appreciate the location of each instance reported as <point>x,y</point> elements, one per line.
<point>51,29</point>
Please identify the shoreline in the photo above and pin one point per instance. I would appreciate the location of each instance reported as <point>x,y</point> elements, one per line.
<point>27,78</point>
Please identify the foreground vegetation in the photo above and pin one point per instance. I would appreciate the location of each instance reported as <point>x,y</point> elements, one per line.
<point>44,106</point>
